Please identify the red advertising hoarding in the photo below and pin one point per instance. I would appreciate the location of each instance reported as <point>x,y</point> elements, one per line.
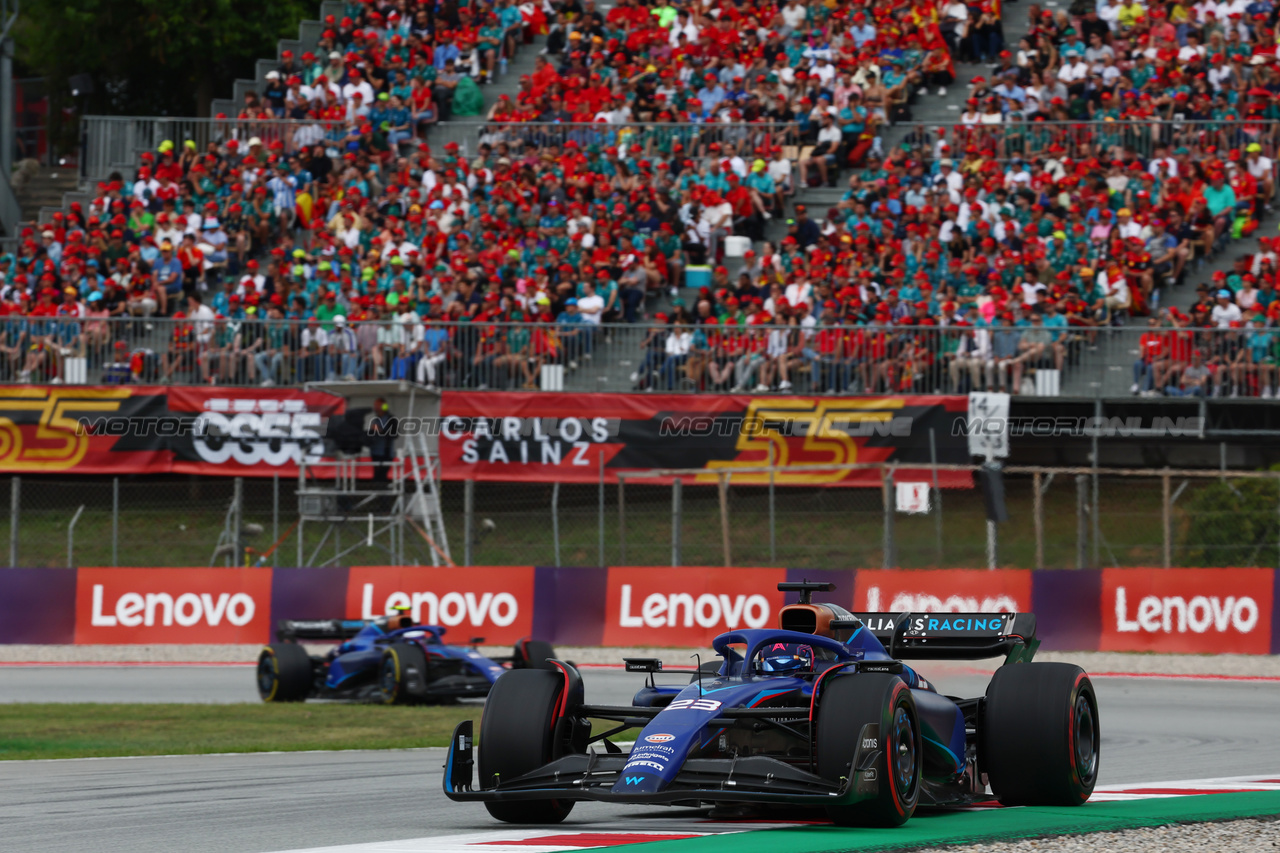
<point>943,591</point>
<point>687,606</point>
<point>1197,611</point>
<point>144,606</point>
<point>493,602</point>
<point>541,437</point>
<point>234,432</point>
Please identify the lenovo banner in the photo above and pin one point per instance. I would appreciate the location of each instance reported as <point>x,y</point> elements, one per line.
<point>1198,611</point>
<point>568,437</point>
<point>139,606</point>
<point>943,591</point>
<point>159,430</point>
<point>494,602</point>
<point>687,606</point>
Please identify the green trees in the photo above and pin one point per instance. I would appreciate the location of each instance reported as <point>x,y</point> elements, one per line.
<point>149,57</point>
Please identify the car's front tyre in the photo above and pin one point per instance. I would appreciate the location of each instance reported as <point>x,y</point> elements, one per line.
<point>533,654</point>
<point>402,674</point>
<point>284,673</point>
<point>845,705</point>
<point>517,735</point>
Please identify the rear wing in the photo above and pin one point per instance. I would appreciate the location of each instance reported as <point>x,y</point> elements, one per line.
<point>318,629</point>
<point>954,636</point>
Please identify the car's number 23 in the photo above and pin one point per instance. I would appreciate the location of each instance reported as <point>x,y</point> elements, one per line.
<point>694,705</point>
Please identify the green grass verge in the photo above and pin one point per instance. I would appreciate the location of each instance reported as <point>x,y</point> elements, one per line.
<point>92,730</point>
<point>934,828</point>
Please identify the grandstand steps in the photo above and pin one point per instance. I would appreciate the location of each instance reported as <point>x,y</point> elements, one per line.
<point>45,188</point>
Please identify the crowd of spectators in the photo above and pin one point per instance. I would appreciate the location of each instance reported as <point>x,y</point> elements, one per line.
<point>645,137</point>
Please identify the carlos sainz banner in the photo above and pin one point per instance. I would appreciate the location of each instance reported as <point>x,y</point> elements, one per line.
<point>550,437</point>
<point>157,430</point>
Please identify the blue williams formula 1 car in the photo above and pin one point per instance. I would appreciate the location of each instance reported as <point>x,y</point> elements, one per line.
<point>821,712</point>
<point>388,660</point>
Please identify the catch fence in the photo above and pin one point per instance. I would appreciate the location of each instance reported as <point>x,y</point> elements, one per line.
<point>1057,518</point>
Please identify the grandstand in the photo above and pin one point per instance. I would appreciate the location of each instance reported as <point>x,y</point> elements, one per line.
<point>878,198</point>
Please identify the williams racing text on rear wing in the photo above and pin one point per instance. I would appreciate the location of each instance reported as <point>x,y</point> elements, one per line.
<point>318,629</point>
<point>954,636</point>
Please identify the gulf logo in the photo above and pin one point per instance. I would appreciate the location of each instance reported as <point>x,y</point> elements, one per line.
<point>659,738</point>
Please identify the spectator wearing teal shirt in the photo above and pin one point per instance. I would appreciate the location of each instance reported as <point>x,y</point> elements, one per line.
<point>1220,199</point>
<point>1219,196</point>
<point>1055,322</point>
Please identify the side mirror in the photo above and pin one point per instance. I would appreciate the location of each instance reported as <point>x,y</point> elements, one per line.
<point>475,641</point>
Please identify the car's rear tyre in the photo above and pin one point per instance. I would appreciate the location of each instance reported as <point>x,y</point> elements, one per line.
<point>1041,740</point>
<point>517,735</point>
<point>402,675</point>
<point>533,654</point>
<point>284,673</point>
<point>845,705</point>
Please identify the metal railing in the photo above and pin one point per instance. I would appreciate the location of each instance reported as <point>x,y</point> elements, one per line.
<point>1078,361</point>
<point>111,144</point>
<point>687,140</point>
<point>116,143</point>
<point>1105,140</point>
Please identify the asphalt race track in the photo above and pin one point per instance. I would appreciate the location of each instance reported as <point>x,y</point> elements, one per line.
<point>1153,729</point>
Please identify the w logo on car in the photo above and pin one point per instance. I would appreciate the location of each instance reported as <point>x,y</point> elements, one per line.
<point>634,780</point>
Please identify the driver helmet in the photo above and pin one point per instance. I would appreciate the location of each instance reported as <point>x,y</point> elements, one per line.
<point>787,657</point>
<point>398,618</point>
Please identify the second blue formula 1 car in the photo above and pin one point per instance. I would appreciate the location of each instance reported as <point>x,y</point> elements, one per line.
<point>820,712</point>
<point>388,660</point>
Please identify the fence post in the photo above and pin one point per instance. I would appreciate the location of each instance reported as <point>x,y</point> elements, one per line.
<point>886,496</point>
<point>676,495</point>
<point>237,524</point>
<point>600,511</point>
<point>1082,530</point>
<point>275,517</point>
<point>555,520</point>
<point>115,522</point>
<point>1037,505</point>
<point>1166,514</point>
<point>937,493</point>
<point>1094,520</point>
<point>71,537</point>
<point>773,520</point>
<point>15,496</point>
<point>724,518</point>
<point>622,520</point>
<point>468,518</point>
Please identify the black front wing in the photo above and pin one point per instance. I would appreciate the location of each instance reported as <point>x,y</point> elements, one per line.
<point>591,776</point>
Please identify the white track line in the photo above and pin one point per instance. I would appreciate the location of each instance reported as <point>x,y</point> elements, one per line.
<point>621,831</point>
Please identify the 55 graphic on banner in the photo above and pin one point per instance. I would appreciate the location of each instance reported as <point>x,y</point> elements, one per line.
<point>133,606</point>
<point>495,602</point>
